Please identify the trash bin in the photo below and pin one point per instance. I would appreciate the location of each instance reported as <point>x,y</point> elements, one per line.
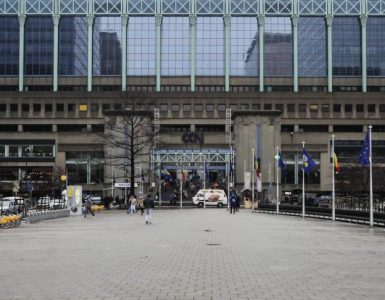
<point>247,201</point>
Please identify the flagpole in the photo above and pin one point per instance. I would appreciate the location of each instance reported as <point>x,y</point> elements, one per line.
<point>160,185</point>
<point>141,179</point>
<point>204,179</point>
<point>252,178</point>
<point>228,168</point>
<point>303,184</point>
<point>371,176</point>
<point>181,185</point>
<point>333,182</point>
<point>277,174</point>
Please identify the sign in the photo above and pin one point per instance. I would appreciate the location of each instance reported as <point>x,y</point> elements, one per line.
<point>123,185</point>
<point>193,138</point>
<point>247,181</point>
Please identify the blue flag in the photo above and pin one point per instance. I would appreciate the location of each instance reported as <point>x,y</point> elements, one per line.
<point>231,169</point>
<point>308,162</point>
<point>281,164</point>
<point>165,175</point>
<point>364,154</point>
<point>142,174</point>
<point>207,172</point>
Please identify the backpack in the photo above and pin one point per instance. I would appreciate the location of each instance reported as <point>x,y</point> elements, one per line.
<point>233,199</point>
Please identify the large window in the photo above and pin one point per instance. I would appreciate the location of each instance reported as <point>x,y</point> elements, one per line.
<point>175,46</point>
<point>73,46</point>
<point>210,47</point>
<point>141,48</point>
<point>107,50</point>
<point>39,46</point>
<point>346,46</point>
<point>278,47</point>
<point>312,47</point>
<point>9,45</point>
<point>85,167</point>
<point>244,46</point>
<point>376,46</point>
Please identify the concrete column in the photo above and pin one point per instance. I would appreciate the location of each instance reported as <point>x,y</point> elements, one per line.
<point>227,23</point>
<point>158,25</point>
<point>56,20</point>
<point>294,21</point>
<point>22,18</point>
<point>329,22</point>
<point>90,23</point>
<point>261,31</point>
<point>124,20</point>
<point>193,27</point>
<point>364,19</point>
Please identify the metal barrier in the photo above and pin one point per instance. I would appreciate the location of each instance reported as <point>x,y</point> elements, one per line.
<point>33,217</point>
<point>351,216</point>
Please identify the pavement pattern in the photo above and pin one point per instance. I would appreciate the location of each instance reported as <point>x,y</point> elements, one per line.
<point>192,254</point>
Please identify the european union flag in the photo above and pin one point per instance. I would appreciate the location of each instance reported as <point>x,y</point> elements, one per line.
<point>207,172</point>
<point>281,164</point>
<point>364,154</point>
<point>165,175</point>
<point>142,175</point>
<point>308,162</point>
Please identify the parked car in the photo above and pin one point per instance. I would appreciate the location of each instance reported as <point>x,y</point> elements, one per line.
<point>210,197</point>
<point>43,203</point>
<point>57,203</point>
<point>12,204</point>
<point>325,201</point>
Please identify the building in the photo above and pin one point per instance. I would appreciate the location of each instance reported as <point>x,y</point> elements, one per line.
<point>222,76</point>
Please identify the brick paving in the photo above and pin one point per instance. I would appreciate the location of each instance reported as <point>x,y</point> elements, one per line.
<point>192,254</point>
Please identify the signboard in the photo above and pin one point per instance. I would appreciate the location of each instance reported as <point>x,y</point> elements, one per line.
<point>123,185</point>
<point>247,177</point>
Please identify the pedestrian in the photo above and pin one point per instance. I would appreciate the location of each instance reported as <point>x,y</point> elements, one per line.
<point>171,198</point>
<point>88,208</point>
<point>132,204</point>
<point>233,202</point>
<point>141,205</point>
<point>148,206</point>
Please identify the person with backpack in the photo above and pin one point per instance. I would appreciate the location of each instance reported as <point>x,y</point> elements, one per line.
<point>148,206</point>
<point>233,202</point>
<point>88,208</point>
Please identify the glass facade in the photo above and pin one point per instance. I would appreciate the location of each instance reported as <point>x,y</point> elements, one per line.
<point>107,46</point>
<point>244,46</point>
<point>375,46</point>
<point>312,49</point>
<point>175,46</point>
<point>73,46</point>
<point>210,46</point>
<point>9,46</point>
<point>39,46</point>
<point>141,46</point>
<point>278,47</point>
<point>346,46</point>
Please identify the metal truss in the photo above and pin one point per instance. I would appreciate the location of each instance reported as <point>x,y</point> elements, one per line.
<point>198,7</point>
<point>192,156</point>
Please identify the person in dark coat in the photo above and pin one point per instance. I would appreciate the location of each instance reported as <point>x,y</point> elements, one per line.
<point>233,202</point>
<point>148,206</point>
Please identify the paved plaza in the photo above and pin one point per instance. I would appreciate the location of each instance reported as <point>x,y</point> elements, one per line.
<point>192,254</point>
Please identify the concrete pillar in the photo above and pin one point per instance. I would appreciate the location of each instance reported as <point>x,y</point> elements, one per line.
<point>364,19</point>
<point>329,22</point>
<point>90,23</point>
<point>56,20</point>
<point>261,31</point>
<point>124,21</point>
<point>158,25</point>
<point>193,28</point>
<point>22,18</point>
<point>226,23</point>
<point>294,21</point>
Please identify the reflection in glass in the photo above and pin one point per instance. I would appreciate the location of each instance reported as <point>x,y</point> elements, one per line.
<point>39,46</point>
<point>312,47</point>
<point>73,46</point>
<point>244,46</point>
<point>376,46</point>
<point>9,45</point>
<point>346,46</point>
<point>107,50</point>
<point>210,46</point>
<point>141,48</point>
<point>278,46</point>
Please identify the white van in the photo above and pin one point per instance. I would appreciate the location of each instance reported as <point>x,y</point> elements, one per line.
<point>210,197</point>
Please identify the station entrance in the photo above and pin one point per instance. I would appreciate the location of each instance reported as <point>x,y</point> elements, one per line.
<point>179,174</point>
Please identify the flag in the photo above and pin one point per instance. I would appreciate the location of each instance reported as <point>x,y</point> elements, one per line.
<point>142,174</point>
<point>231,169</point>
<point>336,164</point>
<point>308,162</point>
<point>207,172</point>
<point>164,174</point>
<point>364,154</point>
<point>281,164</point>
<point>183,175</point>
<point>257,166</point>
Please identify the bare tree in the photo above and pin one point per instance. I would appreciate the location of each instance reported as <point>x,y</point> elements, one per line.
<point>128,138</point>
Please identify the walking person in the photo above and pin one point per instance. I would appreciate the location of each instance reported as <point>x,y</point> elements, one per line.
<point>233,202</point>
<point>148,206</point>
<point>133,203</point>
<point>141,205</point>
<point>88,208</point>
